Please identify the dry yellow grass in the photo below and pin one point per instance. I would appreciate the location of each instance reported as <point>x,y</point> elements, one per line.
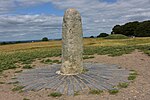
<point>116,42</point>
<point>87,42</point>
<point>27,46</point>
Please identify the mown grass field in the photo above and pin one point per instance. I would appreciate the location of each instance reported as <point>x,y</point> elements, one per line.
<point>26,53</point>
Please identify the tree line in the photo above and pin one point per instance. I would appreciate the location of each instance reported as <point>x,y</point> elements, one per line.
<point>138,29</point>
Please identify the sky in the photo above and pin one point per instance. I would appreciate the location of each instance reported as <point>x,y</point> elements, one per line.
<point>35,19</point>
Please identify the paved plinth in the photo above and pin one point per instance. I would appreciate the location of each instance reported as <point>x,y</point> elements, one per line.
<point>97,76</point>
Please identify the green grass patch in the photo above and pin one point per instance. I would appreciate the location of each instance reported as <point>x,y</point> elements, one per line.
<point>133,72</point>
<point>8,60</point>
<point>123,85</point>
<point>114,91</point>
<point>132,75</point>
<point>95,92</point>
<point>17,88</point>
<point>16,82</point>
<point>55,94</point>
<point>145,49</point>
<point>76,93</point>
<point>88,57</point>
<point>19,71</point>
<point>110,51</point>
<point>56,61</point>
<point>27,67</point>
<point>84,70</point>
<point>13,78</point>
<point>49,61</point>
<point>2,82</point>
<point>25,99</point>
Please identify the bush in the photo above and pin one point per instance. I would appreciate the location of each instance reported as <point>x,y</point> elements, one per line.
<point>116,36</point>
<point>91,36</point>
<point>45,39</point>
<point>102,35</point>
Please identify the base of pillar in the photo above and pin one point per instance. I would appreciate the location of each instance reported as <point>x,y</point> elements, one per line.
<point>59,73</point>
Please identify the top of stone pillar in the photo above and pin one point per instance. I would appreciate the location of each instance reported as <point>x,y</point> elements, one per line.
<point>72,13</point>
<point>71,10</point>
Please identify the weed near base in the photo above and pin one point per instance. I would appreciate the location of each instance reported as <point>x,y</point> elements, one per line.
<point>55,94</point>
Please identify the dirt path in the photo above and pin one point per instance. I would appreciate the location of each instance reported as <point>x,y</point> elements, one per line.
<point>138,90</point>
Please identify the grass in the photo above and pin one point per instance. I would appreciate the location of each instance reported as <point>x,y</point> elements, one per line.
<point>95,92</point>
<point>84,70</point>
<point>17,88</point>
<point>114,91</point>
<point>49,61</point>
<point>27,67</point>
<point>123,85</point>
<point>87,57</point>
<point>2,82</point>
<point>16,82</point>
<point>19,71</point>
<point>55,94</point>
<point>132,75</point>
<point>116,36</point>
<point>56,61</point>
<point>13,78</point>
<point>76,93</point>
<point>26,53</point>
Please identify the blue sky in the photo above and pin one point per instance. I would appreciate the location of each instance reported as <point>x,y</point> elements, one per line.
<point>42,8</point>
<point>29,20</point>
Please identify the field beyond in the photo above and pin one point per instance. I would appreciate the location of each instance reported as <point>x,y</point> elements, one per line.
<point>26,53</point>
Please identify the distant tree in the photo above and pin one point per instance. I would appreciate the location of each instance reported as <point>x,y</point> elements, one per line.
<point>117,30</point>
<point>138,29</point>
<point>143,29</point>
<point>129,28</point>
<point>91,36</point>
<point>102,35</point>
<point>45,39</point>
<point>3,43</point>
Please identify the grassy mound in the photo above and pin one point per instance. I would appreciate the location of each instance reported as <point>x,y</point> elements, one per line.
<point>116,36</point>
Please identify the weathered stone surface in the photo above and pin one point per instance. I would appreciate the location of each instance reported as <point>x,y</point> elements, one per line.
<point>72,43</point>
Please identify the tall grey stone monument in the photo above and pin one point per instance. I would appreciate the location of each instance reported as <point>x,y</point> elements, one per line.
<point>72,43</point>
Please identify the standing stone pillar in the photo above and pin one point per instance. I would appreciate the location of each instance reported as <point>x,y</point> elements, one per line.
<point>72,43</point>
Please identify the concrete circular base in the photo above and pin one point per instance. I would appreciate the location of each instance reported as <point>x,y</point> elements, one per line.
<point>96,76</point>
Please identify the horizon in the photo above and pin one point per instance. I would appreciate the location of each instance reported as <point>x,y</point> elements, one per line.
<point>32,20</point>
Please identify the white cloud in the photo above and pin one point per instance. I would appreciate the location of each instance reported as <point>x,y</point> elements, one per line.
<point>98,16</point>
<point>28,26</point>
